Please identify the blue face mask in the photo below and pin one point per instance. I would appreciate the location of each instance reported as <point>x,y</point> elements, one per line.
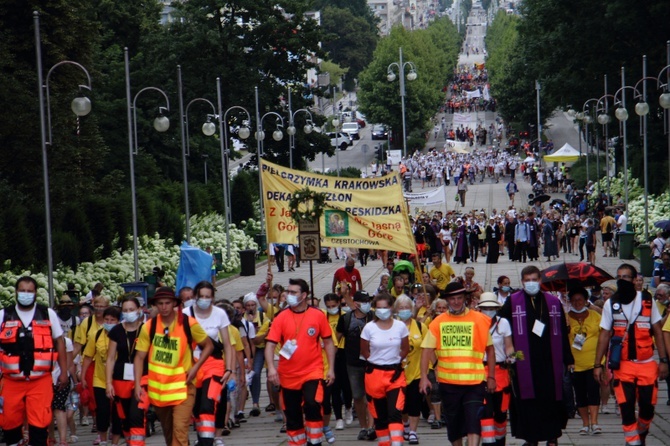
<point>203,304</point>
<point>346,309</point>
<point>506,289</point>
<point>365,307</point>
<point>383,313</point>
<point>531,288</point>
<point>404,314</point>
<point>25,299</point>
<point>108,327</point>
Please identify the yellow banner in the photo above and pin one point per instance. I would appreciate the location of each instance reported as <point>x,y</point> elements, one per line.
<point>360,213</point>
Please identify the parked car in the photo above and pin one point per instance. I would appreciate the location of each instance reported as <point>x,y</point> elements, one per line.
<point>379,132</point>
<point>342,141</point>
<point>351,129</point>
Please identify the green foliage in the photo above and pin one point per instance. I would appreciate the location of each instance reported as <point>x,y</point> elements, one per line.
<point>346,172</point>
<point>434,53</point>
<point>349,39</point>
<point>243,197</point>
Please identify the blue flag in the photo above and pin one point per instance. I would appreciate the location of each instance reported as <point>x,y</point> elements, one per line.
<point>195,265</point>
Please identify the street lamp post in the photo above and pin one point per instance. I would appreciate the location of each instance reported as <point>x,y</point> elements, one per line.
<point>161,124</point>
<point>277,135</point>
<point>291,127</point>
<point>208,129</point>
<point>391,76</point>
<point>336,125</point>
<point>243,132</point>
<point>603,117</point>
<point>539,122</point>
<point>81,106</point>
<point>664,99</point>
<point>642,110</point>
<point>621,114</point>
<point>205,157</point>
<point>587,119</point>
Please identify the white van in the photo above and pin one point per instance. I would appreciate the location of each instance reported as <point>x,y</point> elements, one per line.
<point>351,128</point>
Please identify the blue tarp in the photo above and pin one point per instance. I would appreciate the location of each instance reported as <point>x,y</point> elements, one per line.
<point>195,265</point>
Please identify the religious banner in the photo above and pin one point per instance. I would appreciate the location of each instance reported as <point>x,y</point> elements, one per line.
<point>434,199</point>
<point>358,212</point>
<point>463,118</point>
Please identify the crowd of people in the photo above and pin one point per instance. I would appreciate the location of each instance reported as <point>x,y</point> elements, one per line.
<point>425,343</point>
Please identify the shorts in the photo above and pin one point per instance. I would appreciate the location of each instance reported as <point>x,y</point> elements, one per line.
<point>607,237</point>
<point>462,407</point>
<point>357,380</point>
<point>413,399</point>
<point>590,248</point>
<point>587,389</point>
<point>61,397</point>
<point>434,388</point>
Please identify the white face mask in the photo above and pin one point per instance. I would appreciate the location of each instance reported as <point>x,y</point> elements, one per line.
<point>131,317</point>
<point>333,310</point>
<point>293,300</point>
<point>532,288</point>
<point>189,303</point>
<point>25,299</point>
<point>203,304</point>
<point>489,313</point>
<point>383,313</point>
<point>578,311</point>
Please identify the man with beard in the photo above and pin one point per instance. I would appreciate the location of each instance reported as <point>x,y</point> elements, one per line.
<point>539,331</point>
<point>630,324</point>
<point>349,275</point>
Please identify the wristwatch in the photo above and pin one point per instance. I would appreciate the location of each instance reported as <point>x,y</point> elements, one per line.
<point>663,360</point>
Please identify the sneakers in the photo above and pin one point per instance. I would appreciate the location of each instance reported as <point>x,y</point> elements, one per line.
<point>240,417</point>
<point>436,425</point>
<point>255,411</point>
<point>97,440</point>
<point>84,421</point>
<point>431,418</point>
<point>218,442</point>
<point>372,434</point>
<point>348,417</point>
<point>330,436</point>
<point>278,417</point>
<point>362,435</point>
<point>339,425</point>
<point>584,430</point>
<point>413,438</point>
<point>596,430</point>
<point>74,439</point>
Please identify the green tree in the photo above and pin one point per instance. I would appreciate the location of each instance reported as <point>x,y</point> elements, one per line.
<point>349,39</point>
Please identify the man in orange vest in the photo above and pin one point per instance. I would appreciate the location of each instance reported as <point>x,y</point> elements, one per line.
<point>167,340</point>
<point>631,323</point>
<point>459,338</point>
<point>299,330</point>
<point>31,339</point>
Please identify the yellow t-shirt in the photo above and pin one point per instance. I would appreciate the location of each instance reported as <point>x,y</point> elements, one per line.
<point>235,338</point>
<point>413,360</point>
<point>442,275</point>
<point>586,357</point>
<point>197,333</point>
<point>81,335</point>
<point>97,350</point>
<point>263,328</point>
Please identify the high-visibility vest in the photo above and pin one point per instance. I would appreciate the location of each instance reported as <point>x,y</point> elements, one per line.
<point>167,376</point>
<point>638,343</point>
<point>27,353</point>
<point>461,344</point>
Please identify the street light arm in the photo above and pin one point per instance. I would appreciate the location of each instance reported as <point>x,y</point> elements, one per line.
<point>659,83</point>
<point>187,143</point>
<point>599,107</point>
<point>646,78</point>
<point>618,94</point>
<point>48,96</point>
<point>160,109</point>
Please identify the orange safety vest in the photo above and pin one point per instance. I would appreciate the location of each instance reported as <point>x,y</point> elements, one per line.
<point>167,377</point>
<point>460,348</point>
<point>27,353</point>
<point>638,344</point>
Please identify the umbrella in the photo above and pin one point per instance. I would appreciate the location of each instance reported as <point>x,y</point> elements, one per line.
<point>557,201</point>
<point>560,277</point>
<point>663,225</point>
<point>542,198</point>
<point>529,159</point>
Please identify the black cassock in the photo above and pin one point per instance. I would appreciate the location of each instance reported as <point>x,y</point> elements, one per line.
<point>492,238</point>
<point>543,417</point>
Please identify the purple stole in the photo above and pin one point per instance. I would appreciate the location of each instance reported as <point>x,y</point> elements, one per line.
<point>521,342</point>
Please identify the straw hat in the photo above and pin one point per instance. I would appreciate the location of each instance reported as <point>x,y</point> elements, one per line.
<point>488,300</point>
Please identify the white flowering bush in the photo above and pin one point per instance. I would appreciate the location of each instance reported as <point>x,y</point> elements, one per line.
<point>658,206</point>
<point>206,230</point>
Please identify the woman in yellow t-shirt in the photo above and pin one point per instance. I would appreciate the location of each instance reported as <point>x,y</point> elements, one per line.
<point>96,350</point>
<point>583,337</point>
<point>403,307</point>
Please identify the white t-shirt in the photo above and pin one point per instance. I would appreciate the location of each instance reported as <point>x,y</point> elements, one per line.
<point>501,330</point>
<point>55,373</point>
<point>631,311</point>
<point>622,222</point>
<point>212,324</point>
<point>27,317</point>
<point>385,344</point>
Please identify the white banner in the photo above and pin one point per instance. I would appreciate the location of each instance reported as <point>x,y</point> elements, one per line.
<point>457,146</point>
<point>395,156</point>
<point>463,118</point>
<point>473,94</point>
<point>434,199</point>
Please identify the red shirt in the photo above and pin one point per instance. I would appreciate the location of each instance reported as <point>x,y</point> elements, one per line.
<point>306,329</point>
<point>352,278</point>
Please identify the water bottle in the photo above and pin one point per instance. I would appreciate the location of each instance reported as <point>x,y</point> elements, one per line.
<point>74,400</point>
<point>232,385</point>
